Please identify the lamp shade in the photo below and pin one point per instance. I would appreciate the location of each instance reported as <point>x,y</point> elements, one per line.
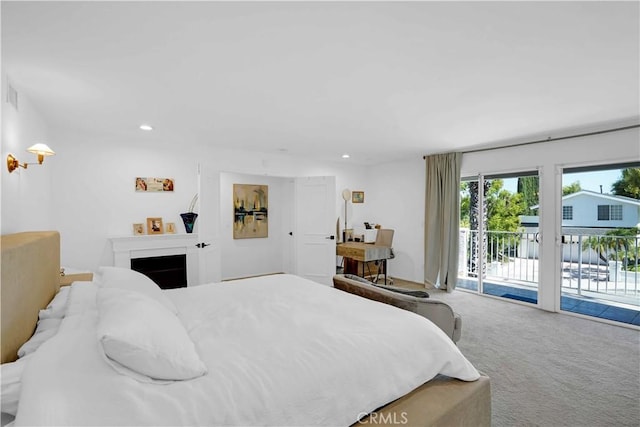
<point>41,149</point>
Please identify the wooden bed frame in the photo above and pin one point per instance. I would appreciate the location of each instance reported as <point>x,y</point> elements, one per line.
<point>31,277</point>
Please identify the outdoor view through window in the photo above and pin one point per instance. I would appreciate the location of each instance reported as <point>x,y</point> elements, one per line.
<point>600,213</point>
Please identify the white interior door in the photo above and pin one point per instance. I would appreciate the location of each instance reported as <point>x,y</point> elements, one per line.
<point>315,254</point>
<point>208,225</point>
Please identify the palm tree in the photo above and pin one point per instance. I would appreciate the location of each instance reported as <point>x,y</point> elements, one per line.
<point>629,184</point>
<point>615,244</point>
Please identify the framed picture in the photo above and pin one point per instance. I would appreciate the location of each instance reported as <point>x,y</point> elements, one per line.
<point>154,184</point>
<point>170,228</point>
<point>250,211</point>
<point>138,229</point>
<point>154,226</point>
<point>357,197</point>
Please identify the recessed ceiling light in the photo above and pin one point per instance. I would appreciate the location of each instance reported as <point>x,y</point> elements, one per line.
<point>345,156</point>
<point>146,127</point>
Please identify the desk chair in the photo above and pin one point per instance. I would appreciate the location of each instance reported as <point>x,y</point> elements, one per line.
<point>384,237</point>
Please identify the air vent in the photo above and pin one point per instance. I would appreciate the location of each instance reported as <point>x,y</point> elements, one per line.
<point>12,96</point>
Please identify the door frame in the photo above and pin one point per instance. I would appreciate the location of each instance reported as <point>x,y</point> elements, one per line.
<point>289,243</point>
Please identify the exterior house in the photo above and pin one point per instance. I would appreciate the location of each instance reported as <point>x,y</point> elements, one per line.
<point>587,213</point>
<point>588,209</point>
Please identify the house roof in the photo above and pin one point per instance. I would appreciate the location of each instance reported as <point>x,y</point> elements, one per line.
<point>603,196</point>
<point>381,81</point>
<point>610,197</point>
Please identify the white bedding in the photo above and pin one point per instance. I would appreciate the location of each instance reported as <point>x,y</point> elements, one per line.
<point>279,350</point>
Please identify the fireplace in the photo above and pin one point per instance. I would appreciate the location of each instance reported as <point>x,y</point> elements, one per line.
<point>171,255</point>
<point>168,271</point>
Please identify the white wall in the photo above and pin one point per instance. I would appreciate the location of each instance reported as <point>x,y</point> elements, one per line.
<point>87,191</point>
<point>396,200</point>
<point>249,257</point>
<point>95,195</point>
<point>26,194</point>
<point>94,199</point>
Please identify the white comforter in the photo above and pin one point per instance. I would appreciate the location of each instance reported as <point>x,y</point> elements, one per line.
<point>280,350</point>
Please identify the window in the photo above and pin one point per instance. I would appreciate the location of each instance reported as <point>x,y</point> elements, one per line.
<point>567,212</point>
<point>603,212</point>
<point>609,212</point>
<point>616,212</point>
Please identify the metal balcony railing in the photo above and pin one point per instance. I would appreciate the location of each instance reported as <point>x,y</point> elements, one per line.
<point>601,266</point>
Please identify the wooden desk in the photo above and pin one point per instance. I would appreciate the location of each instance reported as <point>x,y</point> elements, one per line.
<point>361,253</point>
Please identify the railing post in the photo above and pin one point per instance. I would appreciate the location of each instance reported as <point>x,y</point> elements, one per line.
<point>579,264</point>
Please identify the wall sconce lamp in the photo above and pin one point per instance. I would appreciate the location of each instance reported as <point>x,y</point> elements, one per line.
<point>40,149</point>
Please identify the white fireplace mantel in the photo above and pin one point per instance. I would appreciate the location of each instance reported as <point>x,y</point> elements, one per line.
<point>146,246</point>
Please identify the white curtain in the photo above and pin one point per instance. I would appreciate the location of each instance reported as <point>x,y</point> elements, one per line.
<point>442,220</point>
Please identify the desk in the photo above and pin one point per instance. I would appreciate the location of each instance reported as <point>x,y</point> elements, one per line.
<point>363,252</point>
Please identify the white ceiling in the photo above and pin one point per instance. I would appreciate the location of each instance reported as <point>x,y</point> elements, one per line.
<point>381,80</point>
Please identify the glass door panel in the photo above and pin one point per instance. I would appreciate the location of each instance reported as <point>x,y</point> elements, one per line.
<point>601,242</point>
<point>500,236</point>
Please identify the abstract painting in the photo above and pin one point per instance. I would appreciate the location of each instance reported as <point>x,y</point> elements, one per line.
<point>250,211</point>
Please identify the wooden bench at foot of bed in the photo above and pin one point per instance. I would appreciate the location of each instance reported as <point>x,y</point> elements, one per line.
<point>441,402</point>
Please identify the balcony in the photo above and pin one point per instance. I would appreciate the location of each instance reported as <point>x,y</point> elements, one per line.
<point>600,274</point>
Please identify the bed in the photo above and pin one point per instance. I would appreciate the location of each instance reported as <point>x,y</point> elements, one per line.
<point>273,350</point>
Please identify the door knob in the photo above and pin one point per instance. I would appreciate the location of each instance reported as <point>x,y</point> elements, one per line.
<point>331,237</point>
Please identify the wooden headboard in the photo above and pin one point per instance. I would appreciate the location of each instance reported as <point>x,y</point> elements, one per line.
<point>30,278</point>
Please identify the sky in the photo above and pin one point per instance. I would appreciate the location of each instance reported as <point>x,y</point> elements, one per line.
<point>592,180</point>
<point>588,180</point>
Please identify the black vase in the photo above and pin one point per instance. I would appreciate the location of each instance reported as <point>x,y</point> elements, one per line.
<point>189,220</point>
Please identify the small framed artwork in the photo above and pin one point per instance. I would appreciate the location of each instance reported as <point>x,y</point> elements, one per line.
<point>154,226</point>
<point>154,184</point>
<point>357,196</point>
<point>170,228</point>
<point>138,229</point>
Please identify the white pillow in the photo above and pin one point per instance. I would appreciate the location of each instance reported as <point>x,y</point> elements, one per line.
<point>142,335</point>
<point>124,278</point>
<point>11,374</point>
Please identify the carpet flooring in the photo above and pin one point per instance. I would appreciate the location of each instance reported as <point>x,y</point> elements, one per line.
<point>550,369</point>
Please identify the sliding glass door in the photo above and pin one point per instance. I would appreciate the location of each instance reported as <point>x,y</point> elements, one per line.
<point>601,242</point>
<point>499,235</point>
